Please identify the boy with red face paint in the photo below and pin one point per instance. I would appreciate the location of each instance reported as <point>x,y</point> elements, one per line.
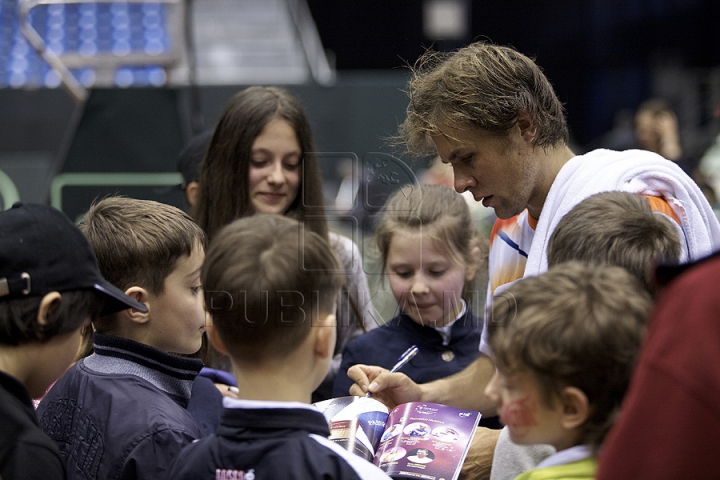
<point>564,344</point>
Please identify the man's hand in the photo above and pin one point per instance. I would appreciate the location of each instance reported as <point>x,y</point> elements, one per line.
<point>392,389</point>
<point>462,390</point>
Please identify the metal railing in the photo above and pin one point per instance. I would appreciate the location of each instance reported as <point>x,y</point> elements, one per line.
<point>102,179</point>
<point>8,191</point>
<point>322,71</point>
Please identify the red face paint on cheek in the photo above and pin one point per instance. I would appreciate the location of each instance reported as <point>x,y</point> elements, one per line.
<point>518,415</point>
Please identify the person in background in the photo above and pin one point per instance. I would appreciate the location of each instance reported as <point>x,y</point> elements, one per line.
<point>657,130</point>
<point>261,159</point>
<point>709,165</point>
<point>188,164</point>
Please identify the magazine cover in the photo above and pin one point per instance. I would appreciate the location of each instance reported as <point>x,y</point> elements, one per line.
<point>416,440</point>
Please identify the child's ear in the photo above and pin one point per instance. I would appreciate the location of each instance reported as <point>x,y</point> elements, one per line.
<point>470,270</point>
<point>141,295</point>
<point>325,334</point>
<point>576,407</point>
<point>214,337</point>
<point>48,304</point>
<point>191,190</point>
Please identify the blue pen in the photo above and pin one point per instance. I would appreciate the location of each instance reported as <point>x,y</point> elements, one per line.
<point>402,360</point>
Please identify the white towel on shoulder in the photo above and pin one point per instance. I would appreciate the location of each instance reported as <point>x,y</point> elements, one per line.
<point>635,171</point>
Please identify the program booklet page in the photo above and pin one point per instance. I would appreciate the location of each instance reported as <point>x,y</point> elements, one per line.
<point>415,440</point>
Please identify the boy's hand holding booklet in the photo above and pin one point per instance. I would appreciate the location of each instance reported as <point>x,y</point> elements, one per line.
<point>414,440</point>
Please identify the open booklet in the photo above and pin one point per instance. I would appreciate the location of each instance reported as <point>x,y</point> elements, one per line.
<point>414,440</point>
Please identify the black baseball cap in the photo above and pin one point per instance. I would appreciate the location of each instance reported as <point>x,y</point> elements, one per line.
<point>42,251</point>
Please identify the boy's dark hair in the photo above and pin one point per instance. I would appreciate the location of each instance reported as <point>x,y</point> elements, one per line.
<point>480,86</point>
<point>615,228</point>
<point>18,317</point>
<point>576,325</point>
<point>266,279</point>
<point>139,242</point>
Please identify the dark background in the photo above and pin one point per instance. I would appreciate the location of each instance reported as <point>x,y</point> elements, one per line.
<point>602,56</point>
<point>599,54</point>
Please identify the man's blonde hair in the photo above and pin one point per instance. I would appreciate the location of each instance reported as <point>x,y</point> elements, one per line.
<point>481,86</point>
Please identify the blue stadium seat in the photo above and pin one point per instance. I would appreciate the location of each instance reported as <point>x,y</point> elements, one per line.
<point>86,37</point>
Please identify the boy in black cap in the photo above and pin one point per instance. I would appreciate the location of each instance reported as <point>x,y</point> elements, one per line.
<point>50,286</point>
<point>188,163</point>
<point>121,412</point>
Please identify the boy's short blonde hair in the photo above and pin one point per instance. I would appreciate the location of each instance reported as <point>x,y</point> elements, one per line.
<point>266,279</point>
<point>138,243</point>
<point>576,325</point>
<point>615,228</point>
